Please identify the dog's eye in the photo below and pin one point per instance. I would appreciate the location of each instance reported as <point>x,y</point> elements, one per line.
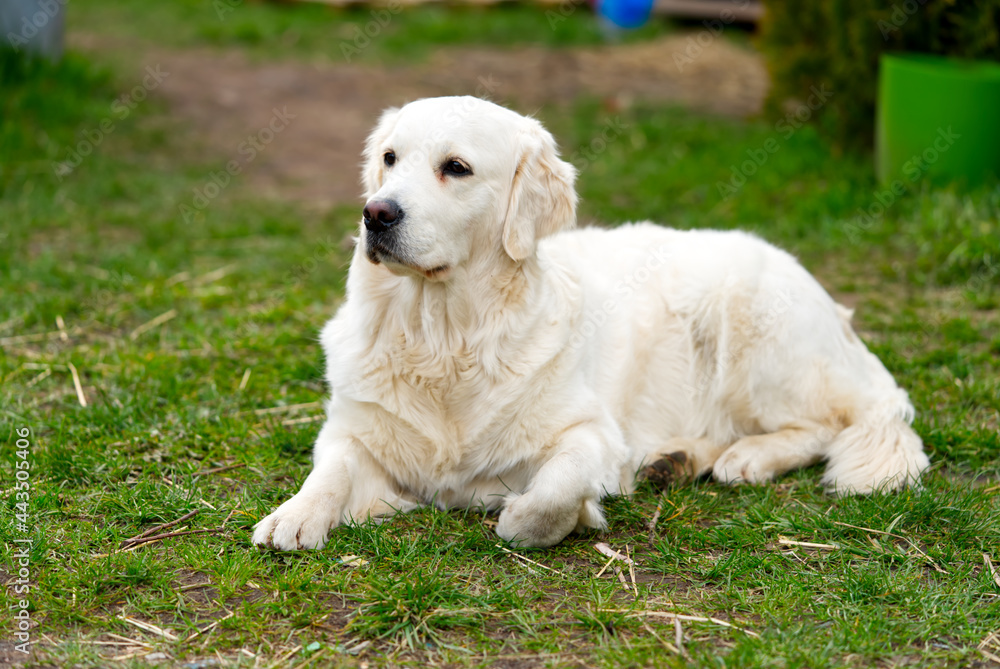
<point>389,158</point>
<point>455,168</point>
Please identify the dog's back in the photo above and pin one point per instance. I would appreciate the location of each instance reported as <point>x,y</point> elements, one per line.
<point>716,337</point>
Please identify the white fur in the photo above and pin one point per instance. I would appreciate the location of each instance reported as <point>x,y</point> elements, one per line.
<point>508,362</point>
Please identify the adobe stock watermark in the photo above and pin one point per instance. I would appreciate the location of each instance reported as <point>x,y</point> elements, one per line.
<point>563,12</point>
<point>695,44</point>
<point>225,7</point>
<point>363,35</point>
<point>453,118</point>
<point>985,276</point>
<point>901,13</point>
<point>48,10</point>
<point>786,127</point>
<point>780,303</point>
<point>248,150</point>
<point>913,169</point>
<point>121,109</point>
<point>594,319</point>
<point>929,326</point>
<point>612,130</point>
<point>21,554</point>
<point>323,250</point>
<point>106,296</point>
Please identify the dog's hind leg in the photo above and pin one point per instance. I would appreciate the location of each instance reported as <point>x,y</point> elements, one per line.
<point>762,457</point>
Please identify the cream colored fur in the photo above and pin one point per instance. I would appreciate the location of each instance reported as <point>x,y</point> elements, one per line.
<point>508,362</point>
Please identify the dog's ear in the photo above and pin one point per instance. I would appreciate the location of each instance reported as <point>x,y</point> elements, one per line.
<point>373,166</point>
<point>542,197</point>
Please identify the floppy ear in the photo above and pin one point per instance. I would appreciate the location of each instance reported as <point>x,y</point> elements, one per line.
<point>542,198</point>
<point>372,165</point>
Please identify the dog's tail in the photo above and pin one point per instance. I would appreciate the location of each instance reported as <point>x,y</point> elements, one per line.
<point>878,452</point>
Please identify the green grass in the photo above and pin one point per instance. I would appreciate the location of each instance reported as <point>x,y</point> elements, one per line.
<point>104,249</point>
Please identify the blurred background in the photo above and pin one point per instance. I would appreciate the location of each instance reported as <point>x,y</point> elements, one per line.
<point>621,82</point>
<point>178,194</point>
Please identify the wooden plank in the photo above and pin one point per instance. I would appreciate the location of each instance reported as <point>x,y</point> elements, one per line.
<point>725,10</point>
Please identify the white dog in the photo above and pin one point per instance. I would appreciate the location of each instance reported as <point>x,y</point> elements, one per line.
<point>487,355</point>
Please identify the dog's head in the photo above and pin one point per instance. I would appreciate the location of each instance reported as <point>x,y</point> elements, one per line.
<point>447,179</point>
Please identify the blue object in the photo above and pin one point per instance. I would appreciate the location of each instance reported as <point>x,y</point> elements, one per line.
<point>625,13</point>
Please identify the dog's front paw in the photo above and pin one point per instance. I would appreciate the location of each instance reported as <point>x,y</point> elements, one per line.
<point>525,522</point>
<point>303,522</point>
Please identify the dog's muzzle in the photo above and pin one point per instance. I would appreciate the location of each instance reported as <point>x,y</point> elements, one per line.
<point>381,216</point>
<point>382,219</point>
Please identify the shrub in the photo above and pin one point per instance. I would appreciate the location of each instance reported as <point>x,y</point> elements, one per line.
<point>836,44</point>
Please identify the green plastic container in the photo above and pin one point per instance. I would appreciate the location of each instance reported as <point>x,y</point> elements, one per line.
<point>938,118</point>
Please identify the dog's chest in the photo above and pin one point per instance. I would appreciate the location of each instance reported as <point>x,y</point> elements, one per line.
<point>445,417</point>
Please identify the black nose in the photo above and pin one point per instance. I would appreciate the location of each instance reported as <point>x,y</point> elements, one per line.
<point>381,215</point>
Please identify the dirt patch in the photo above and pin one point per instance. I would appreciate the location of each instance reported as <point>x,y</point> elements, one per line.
<point>226,99</point>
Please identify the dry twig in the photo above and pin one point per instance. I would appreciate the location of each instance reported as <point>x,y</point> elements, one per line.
<point>211,626</point>
<point>605,549</point>
<point>679,637</point>
<point>537,564</point>
<point>62,328</point>
<point>154,323</point>
<point>666,644</point>
<point>246,378</point>
<point>77,385</point>
<point>605,567</point>
<point>680,616</point>
<point>897,536</point>
<point>161,537</point>
<point>622,580</point>
<point>993,570</point>
<point>218,470</point>
<point>285,409</point>
<point>149,627</point>
<point>807,544</point>
<point>39,336</point>
<point>631,571</point>
<point>159,527</point>
<point>654,520</point>
<point>300,421</point>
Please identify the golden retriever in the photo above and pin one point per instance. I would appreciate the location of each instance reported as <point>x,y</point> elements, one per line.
<point>488,355</point>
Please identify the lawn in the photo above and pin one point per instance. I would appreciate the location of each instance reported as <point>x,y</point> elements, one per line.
<point>194,347</point>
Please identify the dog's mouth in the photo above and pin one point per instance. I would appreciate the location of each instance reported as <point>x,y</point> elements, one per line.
<point>378,254</point>
<point>437,273</point>
<point>398,264</point>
